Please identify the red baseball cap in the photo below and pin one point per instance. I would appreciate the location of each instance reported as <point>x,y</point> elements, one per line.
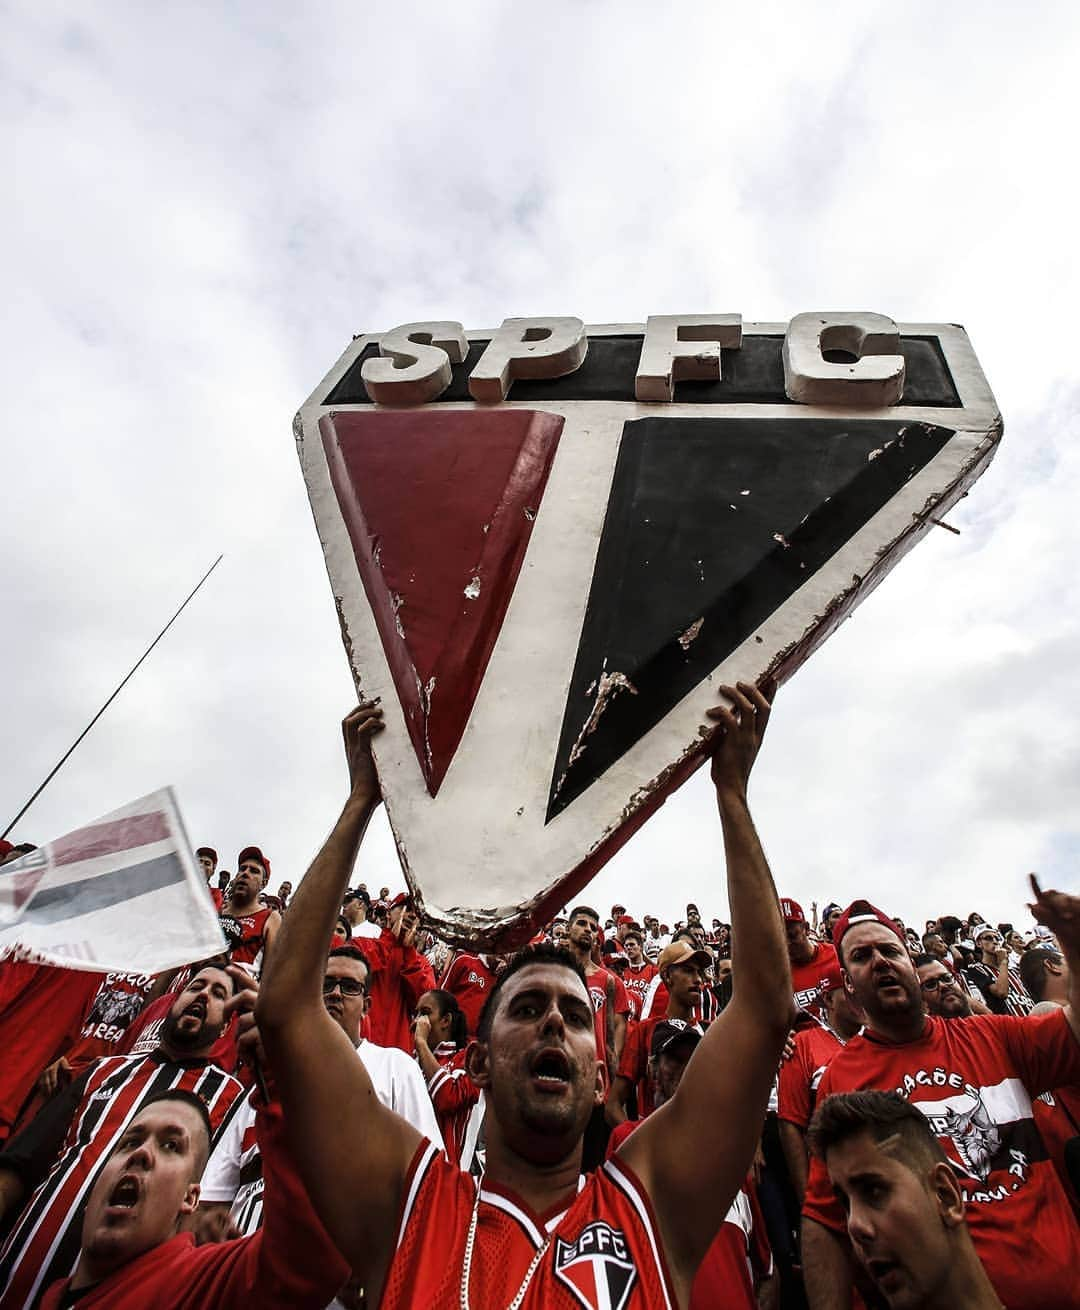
<point>253,853</point>
<point>623,918</point>
<point>863,912</point>
<point>402,898</point>
<point>791,910</point>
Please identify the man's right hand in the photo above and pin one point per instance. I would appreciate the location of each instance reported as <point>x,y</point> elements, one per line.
<point>358,728</point>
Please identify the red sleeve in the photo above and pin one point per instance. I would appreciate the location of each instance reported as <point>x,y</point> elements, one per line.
<point>290,1261</point>
<point>793,1089</point>
<point>761,1258</point>
<point>417,975</point>
<point>1044,1049</point>
<point>630,1062</point>
<point>452,1090</point>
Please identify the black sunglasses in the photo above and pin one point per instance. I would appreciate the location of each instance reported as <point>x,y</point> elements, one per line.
<point>349,986</point>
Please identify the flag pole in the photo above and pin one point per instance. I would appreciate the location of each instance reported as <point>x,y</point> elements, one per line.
<point>60,763</point>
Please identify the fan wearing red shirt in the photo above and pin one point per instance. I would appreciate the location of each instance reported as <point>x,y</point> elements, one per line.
<point>135,1255</point>
<point>683,971</point>
<point>815,1045</point>
<point>469,978</point>
<point>974,1080</point>
<point>638,974</point>
<point>810,961</point>
<point>441,1046</point>
<point>249,926</point>
<point>533,1234</point>
<point>400,975</point>
<point>610,1004</point>
<point>739,1260</point>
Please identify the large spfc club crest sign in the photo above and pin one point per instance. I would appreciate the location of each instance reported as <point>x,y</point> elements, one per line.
<point>549,543</point>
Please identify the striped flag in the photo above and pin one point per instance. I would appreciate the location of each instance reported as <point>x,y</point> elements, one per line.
<point>121,894</point>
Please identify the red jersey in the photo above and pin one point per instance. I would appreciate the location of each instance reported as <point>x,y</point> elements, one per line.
<point>739,1256</point>
<point>597,984</point>
<point>636,981</point>
<point>400,975</point>
<point>974,1079</point>
<point>469,980</point>
<point>455,1097</point>
<point>119,1001</point>
<point>634,1061</point>
<point>797,1086</point>
<point>43,1010</point>
<point>247,941</point>
<point>805,978</point>
<point>1057,1117</point>
<point>91,1117</point>
<point>289,1262</point>
<point>602,1251</point>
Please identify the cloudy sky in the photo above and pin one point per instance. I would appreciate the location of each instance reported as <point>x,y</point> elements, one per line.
<point>204,203</point>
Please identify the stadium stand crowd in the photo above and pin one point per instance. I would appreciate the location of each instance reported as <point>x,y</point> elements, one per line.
<point>828,1108</point>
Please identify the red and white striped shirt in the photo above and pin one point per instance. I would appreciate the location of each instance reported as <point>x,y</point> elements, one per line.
<point>44,1244</point>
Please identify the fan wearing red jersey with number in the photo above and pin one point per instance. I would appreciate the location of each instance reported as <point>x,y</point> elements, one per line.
<point>974,1079</point>
<point>534,1233</point>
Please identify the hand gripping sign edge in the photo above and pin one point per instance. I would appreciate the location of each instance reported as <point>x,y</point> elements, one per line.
<point>547,609</point>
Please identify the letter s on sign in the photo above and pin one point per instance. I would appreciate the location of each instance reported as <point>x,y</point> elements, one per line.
<point>414,363</point>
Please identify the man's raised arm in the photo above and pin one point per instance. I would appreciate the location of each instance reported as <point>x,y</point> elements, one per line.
<point>694,1152</point>
<point>321,1080</point>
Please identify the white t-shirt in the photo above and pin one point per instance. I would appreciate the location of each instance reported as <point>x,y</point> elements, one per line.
<point>366,929</point>
<point>234,1171</point>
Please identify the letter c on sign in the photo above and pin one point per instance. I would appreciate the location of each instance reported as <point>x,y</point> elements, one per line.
<point>872,375</point>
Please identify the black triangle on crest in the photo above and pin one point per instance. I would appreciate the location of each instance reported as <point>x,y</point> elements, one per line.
<point>712,524</point>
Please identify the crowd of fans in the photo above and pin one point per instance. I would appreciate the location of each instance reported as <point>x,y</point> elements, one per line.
<point>781,1110</point>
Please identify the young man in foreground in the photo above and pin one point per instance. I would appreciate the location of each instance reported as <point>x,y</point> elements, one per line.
<point>902,1201</point>
<point>134,1253</point>
<point>421,1232</point>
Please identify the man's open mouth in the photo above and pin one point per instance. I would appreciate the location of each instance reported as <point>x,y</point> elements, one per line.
<point>125,1195</point>
<point>882,1270</point>
<point>551,1068</point>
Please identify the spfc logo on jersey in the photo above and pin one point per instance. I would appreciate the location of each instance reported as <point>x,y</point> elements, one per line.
<point>596,1267</point>
<point>548,545</point>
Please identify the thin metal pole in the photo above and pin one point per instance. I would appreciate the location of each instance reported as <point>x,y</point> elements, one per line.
<point>59,765</point>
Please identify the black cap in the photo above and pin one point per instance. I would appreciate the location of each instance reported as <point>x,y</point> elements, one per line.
<point>670,1032</point>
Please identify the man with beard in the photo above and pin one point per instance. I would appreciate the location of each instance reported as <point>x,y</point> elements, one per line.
<point>942,992</point>
<point>135,1251</point>
<point>810,960</point>
<point>56,1159</point>
<point>973,1079</point>
<point>903,1203</point>
<point>533,1233</point>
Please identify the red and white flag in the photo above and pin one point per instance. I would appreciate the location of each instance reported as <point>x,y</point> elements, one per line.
<point>123,893</point>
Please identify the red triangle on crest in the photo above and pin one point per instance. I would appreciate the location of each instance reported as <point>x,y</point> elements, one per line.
<point>439,506</point>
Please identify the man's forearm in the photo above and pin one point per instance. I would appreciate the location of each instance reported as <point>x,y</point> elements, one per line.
<point>295,968</point>
<point>760,968</point>
<point>826,1268</point>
